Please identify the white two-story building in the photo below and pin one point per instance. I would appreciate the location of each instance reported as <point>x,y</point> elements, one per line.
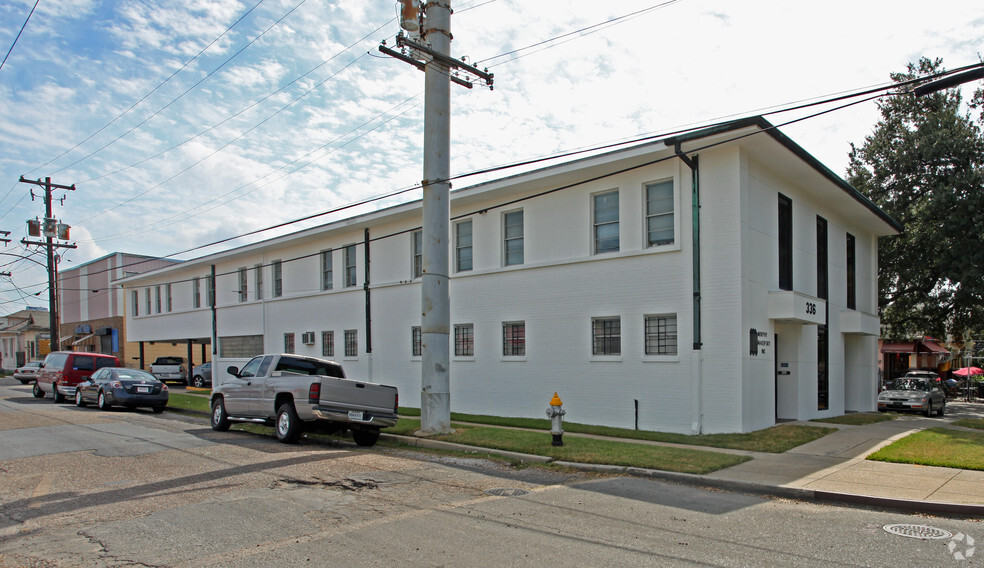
<point>716,281</point>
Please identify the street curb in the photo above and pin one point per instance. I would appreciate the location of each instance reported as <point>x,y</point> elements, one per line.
<point>702,481</point>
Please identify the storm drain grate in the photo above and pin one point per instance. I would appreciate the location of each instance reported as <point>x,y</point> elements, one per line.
<point>918,531</point>
<point>505,492</point>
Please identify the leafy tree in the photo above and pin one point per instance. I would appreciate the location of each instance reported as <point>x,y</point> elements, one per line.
<point>924,165</point>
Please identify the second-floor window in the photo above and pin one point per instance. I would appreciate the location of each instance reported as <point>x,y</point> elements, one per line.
<point>210,290</point>
<point>327,274</point>
<point>167,298</point>
<point>196,291</point>
<point>147,297</point>
<point>417,254</point>
<point>513,238</point>
<point>258,280</point>
<point>785,243</point>
<point>243,292</point>
<point>606,222</point>
<point>659,213</point>
<point>463,246</point>
<point>278,279</point>
<point>157,299</point>
<point>350,275</point>
<point>135,300</point>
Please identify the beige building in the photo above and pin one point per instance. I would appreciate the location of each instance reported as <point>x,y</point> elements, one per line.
<point>23,337</point>
<point>91,308</point>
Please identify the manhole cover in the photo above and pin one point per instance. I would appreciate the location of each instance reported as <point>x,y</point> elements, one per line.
<point>918,531</point>
<point>503,492</point>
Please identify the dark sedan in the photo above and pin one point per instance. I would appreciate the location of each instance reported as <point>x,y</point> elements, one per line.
<point>126,387</point>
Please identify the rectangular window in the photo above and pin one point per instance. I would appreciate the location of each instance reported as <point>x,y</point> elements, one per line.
<point>606,222</point>
<point>417,254</point>
<point>463,246</point>
<point>196,291</point>
<point>606,336</point>
<point>243,292</point>
<point>823,355</point>
<point>514,339</point>
<point>157,299</point>
<point>258,280</point>
<point>351,342</point>
<point>210,290</point>
<point>659,213</point>
<point>661,335</point>
<point>327,274</point>
<point>852,300</point>
<point>240,346</point>
<point>513,238</point>
<point>350,277</point>
<point>278,279</point>
<point>167,298</point>
<point>822,258</point>
<point>464,340</point>
<point>135,300</point>
<point>147,297</point>
<point>328,343</point>
<point>785,243</point>
<point>416,341</point>
<point>288,343</point>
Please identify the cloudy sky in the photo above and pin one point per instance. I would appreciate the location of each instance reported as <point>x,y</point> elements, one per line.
<point>185,122</point>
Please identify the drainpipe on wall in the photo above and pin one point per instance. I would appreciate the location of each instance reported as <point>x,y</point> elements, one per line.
<point>697,367</point>
<point>365,287</point>
<point>215,332</point>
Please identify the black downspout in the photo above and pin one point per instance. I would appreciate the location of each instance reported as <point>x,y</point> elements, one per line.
<point>142,356</point>
<point>695,221</point>
<point>191,361</point>
<point>365,287</point>
<point>215,337</point>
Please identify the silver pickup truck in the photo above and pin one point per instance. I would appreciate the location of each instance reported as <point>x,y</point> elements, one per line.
<point>295,392</point>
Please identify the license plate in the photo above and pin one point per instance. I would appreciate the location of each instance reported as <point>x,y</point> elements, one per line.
<point>355,415</point>
<point>143,389</point>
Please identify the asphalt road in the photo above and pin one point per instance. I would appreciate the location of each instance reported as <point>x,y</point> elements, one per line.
<point>81,487</point>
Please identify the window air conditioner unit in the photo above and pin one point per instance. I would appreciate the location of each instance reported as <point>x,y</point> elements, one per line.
<point>307,338</point>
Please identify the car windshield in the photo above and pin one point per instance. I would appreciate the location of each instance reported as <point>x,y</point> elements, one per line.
<point>912,385</point>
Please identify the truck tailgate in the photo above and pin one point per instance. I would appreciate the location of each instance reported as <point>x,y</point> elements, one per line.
<point>346,394</point>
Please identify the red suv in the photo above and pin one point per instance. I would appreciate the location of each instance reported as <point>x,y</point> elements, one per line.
<point>62,371</point>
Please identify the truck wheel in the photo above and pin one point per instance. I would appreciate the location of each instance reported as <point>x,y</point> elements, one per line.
<point>288,426</point>
<point>38,393</point>
<point>220,421</point>
<point>57,396</point>
<point>366,437</point>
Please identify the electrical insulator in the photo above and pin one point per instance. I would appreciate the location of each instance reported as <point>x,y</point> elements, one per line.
<point>410,15</point>
<point>63,231</point>
<point>33,228</point>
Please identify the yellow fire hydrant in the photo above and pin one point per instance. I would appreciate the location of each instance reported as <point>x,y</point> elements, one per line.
<point>556,415</point>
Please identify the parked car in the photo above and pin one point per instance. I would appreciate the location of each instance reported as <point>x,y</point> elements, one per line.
<point>914,393</point>
<point>293,393</point>
<point>201,375</point>
<point>62,371</point>
<point>111,386</point>
<point>28,372</point>
<point>169,369</point>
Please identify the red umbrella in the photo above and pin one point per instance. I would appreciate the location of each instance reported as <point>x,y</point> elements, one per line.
<point>969,371</point>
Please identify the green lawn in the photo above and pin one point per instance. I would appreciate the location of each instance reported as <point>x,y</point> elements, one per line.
<point>943,447</point>
<point>857,418</point>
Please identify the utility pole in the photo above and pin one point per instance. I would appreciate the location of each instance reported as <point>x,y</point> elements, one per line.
<point>435,324</point>
<point>51,228</point>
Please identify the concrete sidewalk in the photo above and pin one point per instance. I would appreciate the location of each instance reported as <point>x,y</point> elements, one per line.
<point>832,468</point>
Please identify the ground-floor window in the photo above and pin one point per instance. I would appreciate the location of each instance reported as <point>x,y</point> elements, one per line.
<point>288,343</point>
<point>351,343</point>
<point>661,335</point>
<point>416,341</point>
<point>514,339</point>
<point>823,381</point>
<point>240,346</point>
<point>606,336</point>
<point>464,340</point>
<point>328,343</point>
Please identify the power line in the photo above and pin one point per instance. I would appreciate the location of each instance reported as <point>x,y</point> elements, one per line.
<point>19,34</point>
